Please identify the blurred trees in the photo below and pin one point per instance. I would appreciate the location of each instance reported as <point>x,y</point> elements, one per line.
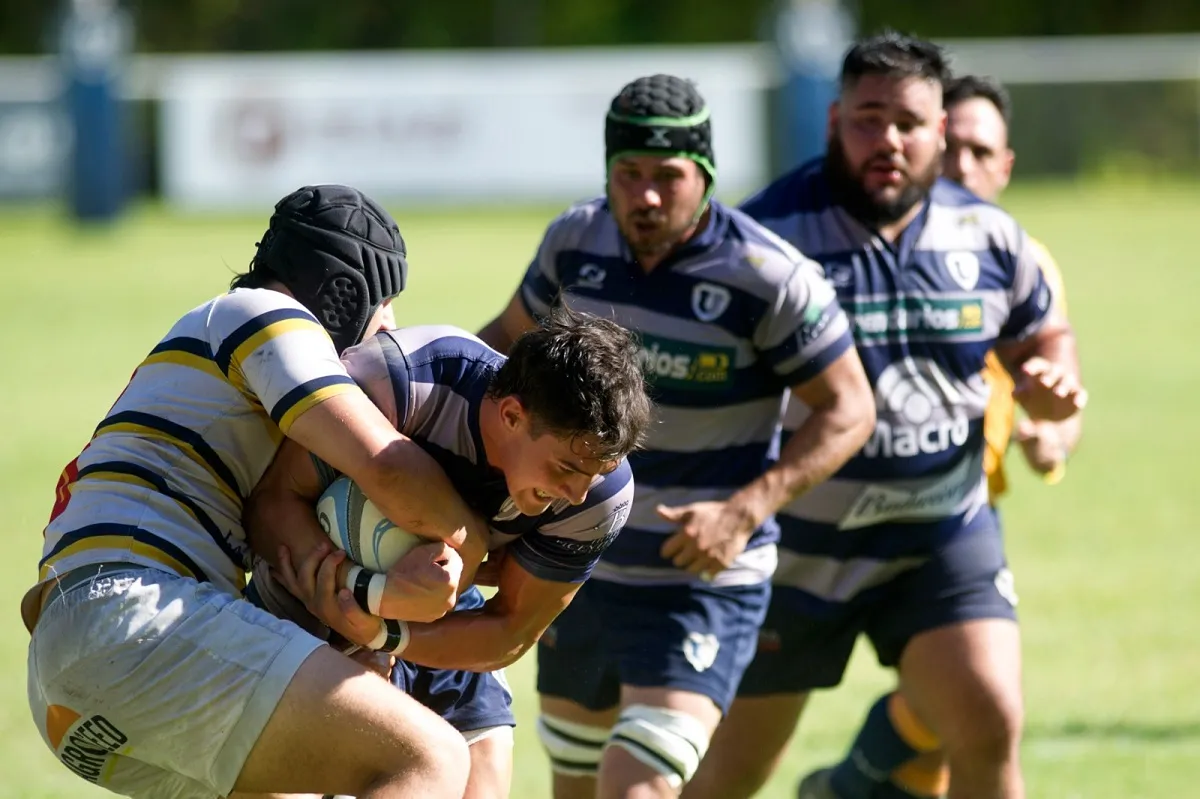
<point>241,25</point>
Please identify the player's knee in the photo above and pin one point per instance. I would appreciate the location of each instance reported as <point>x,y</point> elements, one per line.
<point>437,759</point>
<point>991,732</point>
<point>574,749</point>
<point>668,741</point>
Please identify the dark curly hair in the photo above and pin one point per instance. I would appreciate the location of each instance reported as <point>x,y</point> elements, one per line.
<point>579,375</point>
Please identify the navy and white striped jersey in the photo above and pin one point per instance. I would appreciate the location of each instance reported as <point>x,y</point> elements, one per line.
<point>925,311</point>
<point>430,382</point>
<point>728,324</point>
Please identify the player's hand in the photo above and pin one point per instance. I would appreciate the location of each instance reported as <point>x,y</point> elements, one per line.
<point>423,585</point>
<point>315,582</point>
<point>710,536</point>
<point>1042,444</point>
<point>1047,391</point>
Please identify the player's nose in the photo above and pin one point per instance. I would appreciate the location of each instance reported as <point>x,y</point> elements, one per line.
<point>575,491</point>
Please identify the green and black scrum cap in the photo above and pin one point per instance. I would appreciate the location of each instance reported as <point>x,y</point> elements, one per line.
<point>660,115</point>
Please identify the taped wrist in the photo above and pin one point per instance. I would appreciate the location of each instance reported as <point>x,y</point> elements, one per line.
<point>367,588</point>
<point>393,637</point>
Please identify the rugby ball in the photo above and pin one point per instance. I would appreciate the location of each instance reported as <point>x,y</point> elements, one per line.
<point>357,527</point>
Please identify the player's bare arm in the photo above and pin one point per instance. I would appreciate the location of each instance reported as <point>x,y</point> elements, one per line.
<point>491,638</point>
<point>283,529</point>
<point>501,332</point>
<point>354,437</point>
<point>1045,368</point>
<point>712,534</point>
<point>501,632</point>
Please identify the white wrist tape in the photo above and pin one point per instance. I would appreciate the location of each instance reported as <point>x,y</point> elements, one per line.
<point>367,588</point>
<point>393,637</point>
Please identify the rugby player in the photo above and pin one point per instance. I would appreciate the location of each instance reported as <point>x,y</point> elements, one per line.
<point>634,676</point>
<point>901,544</point>
<point>978,155</point>
<point>149,675</point>
<point>536,442</point>
<point>978,113</point>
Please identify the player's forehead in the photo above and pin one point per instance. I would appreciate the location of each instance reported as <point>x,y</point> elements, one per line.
<point>654,163</point>
<point>891,93</point>
<point>582,453</point>
<point>976,120</point>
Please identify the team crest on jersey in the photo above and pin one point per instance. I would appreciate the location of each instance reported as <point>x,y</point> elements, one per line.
<point>709,301</point>
<point>701,649</point>
<point>591,276</point>
<point>963,266</point>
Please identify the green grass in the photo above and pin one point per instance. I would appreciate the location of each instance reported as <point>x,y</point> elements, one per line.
<point>1103,562</point>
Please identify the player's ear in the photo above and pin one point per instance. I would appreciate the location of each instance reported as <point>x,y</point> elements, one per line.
<point>512,413</point>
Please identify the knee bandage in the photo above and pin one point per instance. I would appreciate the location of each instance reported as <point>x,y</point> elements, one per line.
<point>574,749</point>
<point>668,741</point>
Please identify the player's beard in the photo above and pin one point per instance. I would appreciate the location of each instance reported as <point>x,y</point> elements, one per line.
<point>662,240</point>
<point>848,188</point>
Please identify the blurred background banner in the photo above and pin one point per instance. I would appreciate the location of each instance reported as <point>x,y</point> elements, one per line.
<point>241,131</point>
<point>234,130</point>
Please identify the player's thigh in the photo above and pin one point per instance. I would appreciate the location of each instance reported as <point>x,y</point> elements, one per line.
<point>950,627</point>
<point>964,680</point>
<point>491,763</point>
<point>803,645</point>
<point>368,730</point>
<point>689,639</point>
<point>179,673</point>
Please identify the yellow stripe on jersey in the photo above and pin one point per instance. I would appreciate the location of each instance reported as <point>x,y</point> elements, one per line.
<point>191,360</point>
<point>308,395</point>
<point>1000,416</point>
<point>132,474</point>
<point>117,543</point>
<point>188,442</point>
<point>243,342</point>
<point>272,331</point>
<point>158,435</point>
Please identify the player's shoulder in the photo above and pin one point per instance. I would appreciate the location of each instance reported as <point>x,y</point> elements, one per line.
<point>798,191</point>
<point>962,219</point>
<point>236,316</point>
<point>428,342</point>
<point>250,303</point>
<point>578,221</point>
<point>759,260</point>
<point>1043,256</point>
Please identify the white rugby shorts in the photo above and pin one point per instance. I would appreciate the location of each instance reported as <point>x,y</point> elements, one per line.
<point>153,685</point>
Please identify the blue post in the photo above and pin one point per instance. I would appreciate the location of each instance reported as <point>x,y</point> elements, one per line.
<point>93,43</point>
<point>810,38</point>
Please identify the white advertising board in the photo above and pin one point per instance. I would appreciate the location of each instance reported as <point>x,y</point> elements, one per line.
<point>453,127</point>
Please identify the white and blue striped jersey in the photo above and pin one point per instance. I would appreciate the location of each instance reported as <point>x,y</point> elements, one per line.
<point>430,382</point>
<point>162,481</point>
<point>728,324</point>
<point>925,311</point>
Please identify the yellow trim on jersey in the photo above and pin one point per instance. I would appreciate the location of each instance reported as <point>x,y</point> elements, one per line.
<point>186,359</point>
<point>123,543</point>
<point>316,398</point>
<point>149,432</point>
<point>271,331</point>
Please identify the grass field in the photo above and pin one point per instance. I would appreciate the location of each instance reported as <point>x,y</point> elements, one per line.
<point>1104,562</point>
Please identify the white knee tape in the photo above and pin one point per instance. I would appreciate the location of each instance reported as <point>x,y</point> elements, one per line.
<point>574,749</point>
<point>668,741</point>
